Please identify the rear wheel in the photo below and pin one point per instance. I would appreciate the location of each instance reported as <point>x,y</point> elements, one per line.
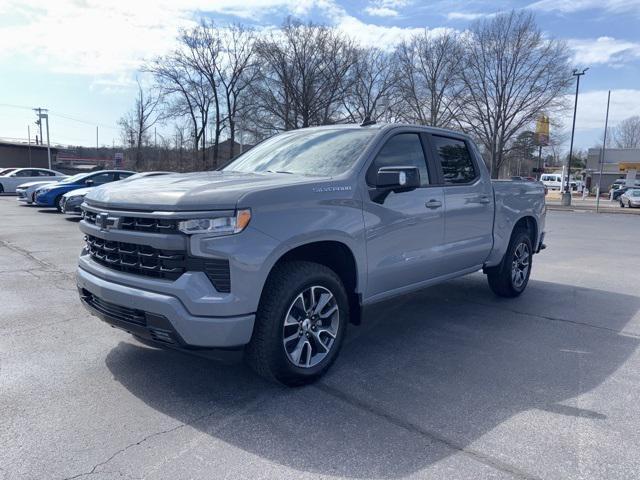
<point>300,323</point>
<point>510,278</point>
<point>1,188</point>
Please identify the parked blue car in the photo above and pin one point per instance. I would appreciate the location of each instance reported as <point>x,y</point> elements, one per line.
<point>51,195</point>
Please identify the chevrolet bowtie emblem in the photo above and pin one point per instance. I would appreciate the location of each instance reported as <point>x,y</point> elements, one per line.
<point>102,220</point>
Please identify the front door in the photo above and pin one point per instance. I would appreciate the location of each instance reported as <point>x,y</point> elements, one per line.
<point>405,231</point>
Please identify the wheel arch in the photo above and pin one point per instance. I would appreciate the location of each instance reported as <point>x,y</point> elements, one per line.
<point>529,224</point>
<point>337,256</point>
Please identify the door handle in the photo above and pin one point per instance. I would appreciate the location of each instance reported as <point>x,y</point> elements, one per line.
<point>433,204</point>
<point>484,199</point>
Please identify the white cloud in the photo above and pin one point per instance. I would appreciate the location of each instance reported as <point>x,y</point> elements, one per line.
<point>381,12</point>
<point>570,6</point>
<point>606,50</point>
<point>466,16</point>
<point>94,37</point>
<point>592,108</point>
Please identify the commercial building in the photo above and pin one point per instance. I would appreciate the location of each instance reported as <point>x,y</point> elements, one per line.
<point>16,154</point>
<point>618,163</point>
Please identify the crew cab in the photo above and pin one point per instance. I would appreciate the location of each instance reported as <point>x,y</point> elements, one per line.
<point>296,238</point>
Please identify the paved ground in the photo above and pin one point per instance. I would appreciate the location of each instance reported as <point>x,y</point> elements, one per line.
<point>447,383</point>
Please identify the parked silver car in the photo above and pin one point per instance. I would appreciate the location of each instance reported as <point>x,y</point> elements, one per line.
<point>630,198</point>
<point>9,181</point>
<point>27,191</point>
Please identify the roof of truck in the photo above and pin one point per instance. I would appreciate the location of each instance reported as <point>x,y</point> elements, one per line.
<point>389,126</point>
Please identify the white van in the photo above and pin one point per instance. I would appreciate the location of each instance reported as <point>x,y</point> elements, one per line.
<point>553,181</point>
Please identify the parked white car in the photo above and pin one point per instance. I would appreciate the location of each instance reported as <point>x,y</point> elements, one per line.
<point>11,180</point>
<point>27,191</point>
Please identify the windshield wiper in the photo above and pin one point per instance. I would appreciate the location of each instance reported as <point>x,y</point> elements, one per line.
<point>280,171</point>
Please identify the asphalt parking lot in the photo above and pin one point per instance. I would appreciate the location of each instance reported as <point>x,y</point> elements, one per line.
<point>450,382</point>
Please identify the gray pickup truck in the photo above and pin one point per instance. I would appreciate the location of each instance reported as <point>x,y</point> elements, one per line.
<point>280,250</point>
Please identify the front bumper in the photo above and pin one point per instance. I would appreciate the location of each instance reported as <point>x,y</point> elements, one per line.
<point>71,206</point>
<point>160,317</point>
<point>22,195</point>
<point>44,200</point>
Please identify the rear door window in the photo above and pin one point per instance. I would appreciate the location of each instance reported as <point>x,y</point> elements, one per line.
<point>456,161</point>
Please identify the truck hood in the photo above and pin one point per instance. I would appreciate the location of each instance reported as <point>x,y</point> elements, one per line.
<point>188,192</point>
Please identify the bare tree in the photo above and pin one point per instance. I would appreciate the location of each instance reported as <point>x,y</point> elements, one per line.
<point>237,72</point>
<point>371,82</point>
<point>511,74</point>
<point>302,79</point>
<point>627,133</point>
<point>137,123</point>
<point>186,90</point>
<point>429,78</point>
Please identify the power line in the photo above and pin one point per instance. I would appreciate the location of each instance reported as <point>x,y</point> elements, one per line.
<point>62,115</point>
<point>15,106</point>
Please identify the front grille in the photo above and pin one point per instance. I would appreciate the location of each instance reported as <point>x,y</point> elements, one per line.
<point>137,259</point>
<point>22,193</point>
<point>151,225</point>
<point>124,314</point>
<point>153,262</point>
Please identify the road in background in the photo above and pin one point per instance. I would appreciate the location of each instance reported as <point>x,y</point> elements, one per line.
<point>451,382</point>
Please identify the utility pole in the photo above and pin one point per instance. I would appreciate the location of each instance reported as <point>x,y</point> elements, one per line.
<point>29,140</point>
<point>566,196</point>
<point>96,141</point>
<point>604,147</point>
<point>39,122</point>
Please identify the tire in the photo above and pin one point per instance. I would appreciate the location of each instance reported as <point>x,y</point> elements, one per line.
<point>1,188</point>
<point>285,344</point>
<point>621,204</point>
<point>504,281</point>
<point>56,202</point>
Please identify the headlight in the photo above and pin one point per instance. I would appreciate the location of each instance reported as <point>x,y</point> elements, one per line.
<point>217,226</point>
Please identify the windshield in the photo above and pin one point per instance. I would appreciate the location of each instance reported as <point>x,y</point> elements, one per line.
<point>325,152</point>
<point>5,171</point>
<point>635,193</point>
<point>75,178</point>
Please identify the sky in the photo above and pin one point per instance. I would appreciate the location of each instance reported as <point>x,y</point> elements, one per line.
<point>79,58</point>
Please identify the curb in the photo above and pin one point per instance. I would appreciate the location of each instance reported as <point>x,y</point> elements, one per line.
<point>614,211</point>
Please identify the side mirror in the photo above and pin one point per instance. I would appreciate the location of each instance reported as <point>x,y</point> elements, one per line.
<point>394,179</point>
<point>89,183</point>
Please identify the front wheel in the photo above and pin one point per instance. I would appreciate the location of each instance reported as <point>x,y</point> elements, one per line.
<point>300,323</point>
<point>510,278</point>
<point>621,204</point>
<point>58,203</point>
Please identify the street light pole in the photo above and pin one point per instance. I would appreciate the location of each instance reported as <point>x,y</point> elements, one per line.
<point>604,147</point>
<point>566,196</point>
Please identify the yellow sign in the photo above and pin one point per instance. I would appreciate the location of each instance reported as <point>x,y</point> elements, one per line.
<point>542,130</point>
<point>624,166</point>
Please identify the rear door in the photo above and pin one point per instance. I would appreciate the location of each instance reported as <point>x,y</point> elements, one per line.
<point>469,204</point>
<point>405,231</point>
